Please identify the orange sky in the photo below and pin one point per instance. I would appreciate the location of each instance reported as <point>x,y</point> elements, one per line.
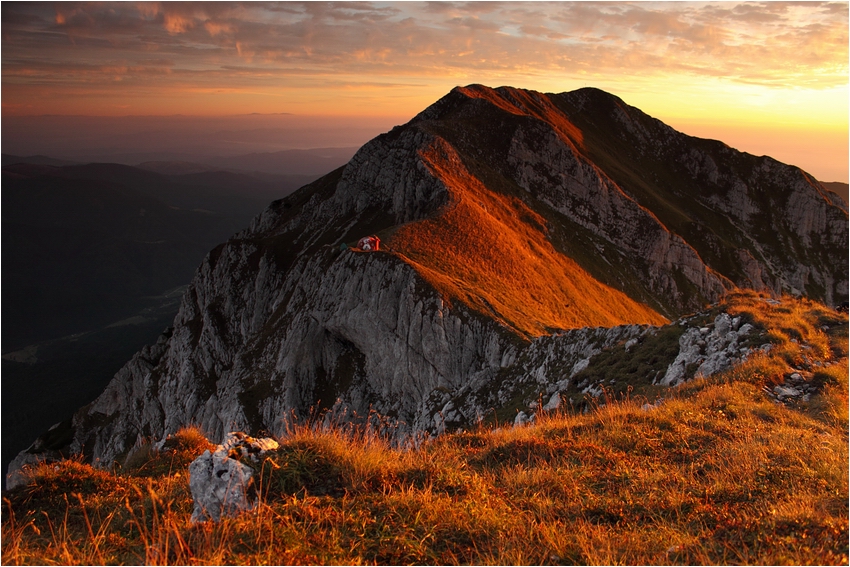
<point>768,78</point>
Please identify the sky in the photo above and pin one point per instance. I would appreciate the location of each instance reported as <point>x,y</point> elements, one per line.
<point>768,78</point>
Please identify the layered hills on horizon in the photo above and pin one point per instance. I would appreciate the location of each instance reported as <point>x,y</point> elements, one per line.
<point>96,256</point>
<point>522,233</point>
<point>83,236</point>
<point>283,166</point>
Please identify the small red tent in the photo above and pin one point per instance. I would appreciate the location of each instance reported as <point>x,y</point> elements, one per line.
<point>369,243</point>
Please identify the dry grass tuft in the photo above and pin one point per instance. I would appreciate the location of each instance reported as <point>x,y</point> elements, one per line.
<point>831,405</point>
<point>178,451</point>
<point>796,326</point>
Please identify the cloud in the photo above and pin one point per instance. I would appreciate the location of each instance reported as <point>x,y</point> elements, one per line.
<point>771,44</point>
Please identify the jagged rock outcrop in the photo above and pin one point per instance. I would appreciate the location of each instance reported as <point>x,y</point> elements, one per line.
<point>280,320</point>
<point>361,328</point>
<point>709,350</point>
<point>544,367</point>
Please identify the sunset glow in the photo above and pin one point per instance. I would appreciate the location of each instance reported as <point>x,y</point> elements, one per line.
<point>763,77</point>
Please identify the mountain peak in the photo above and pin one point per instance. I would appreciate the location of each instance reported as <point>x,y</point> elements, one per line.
<point>523,233</point>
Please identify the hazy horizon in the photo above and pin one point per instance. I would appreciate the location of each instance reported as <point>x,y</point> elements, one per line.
<point>182,137</point>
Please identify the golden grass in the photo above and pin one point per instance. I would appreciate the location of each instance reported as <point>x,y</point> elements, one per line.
<point>491,252</point>
<point>832,405</point>
<point>764,486</point>
<point>717,473</point>
<point>791,322</point>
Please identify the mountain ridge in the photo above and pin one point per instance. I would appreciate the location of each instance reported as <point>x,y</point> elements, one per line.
<point>278,320</point>
<point>486,262</point>
<point>670,203</point>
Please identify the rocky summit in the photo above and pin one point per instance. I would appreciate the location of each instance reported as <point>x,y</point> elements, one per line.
<point>524,237</point>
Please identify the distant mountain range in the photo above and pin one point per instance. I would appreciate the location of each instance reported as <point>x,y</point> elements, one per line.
<point>80,240</point>
<point>9,159</point>
<point>295,165</point>
<point>522,233</point>
<point>316,161</point>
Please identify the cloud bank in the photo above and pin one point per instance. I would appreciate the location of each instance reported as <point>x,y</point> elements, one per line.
<point>91,49</point>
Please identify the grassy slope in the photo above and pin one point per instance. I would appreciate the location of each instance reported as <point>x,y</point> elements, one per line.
<point>717,473</point>
<point>492,252</point>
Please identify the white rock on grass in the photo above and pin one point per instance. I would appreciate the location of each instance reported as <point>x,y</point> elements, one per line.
<point>722,324</point>
<point>579,366</point>
<point>20,469</point>
<point>689,353</point>
<point>786,391</point>
<point>553,403</point>
<point>221,484</point>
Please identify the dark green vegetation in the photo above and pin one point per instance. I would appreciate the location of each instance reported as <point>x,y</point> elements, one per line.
<point>627,372</point>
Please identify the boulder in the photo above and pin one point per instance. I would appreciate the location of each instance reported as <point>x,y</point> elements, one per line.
<point>553,403</point>
<point>221,484</point>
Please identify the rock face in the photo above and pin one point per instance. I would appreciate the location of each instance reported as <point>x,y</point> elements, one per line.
<point>280,320</point>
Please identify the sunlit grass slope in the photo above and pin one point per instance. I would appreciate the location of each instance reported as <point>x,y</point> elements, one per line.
<point>491,252</point>
<point>717,473</point>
